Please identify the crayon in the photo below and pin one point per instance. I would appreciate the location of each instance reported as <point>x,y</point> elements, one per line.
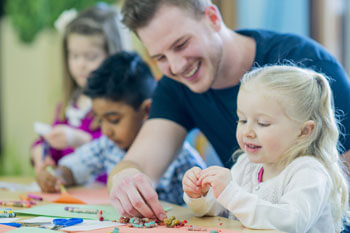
<point>8,215</point>
<point>14,204</point>
<point>35,197</point>
<point>79,210</point>
<point>6,211</point>
<point>24,197</point>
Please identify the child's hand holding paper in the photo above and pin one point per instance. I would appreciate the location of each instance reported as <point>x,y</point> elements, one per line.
<point>63,136</point>
<point>41,128</point>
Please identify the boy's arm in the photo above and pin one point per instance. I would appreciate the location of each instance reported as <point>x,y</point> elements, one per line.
<point>153,150</point>
<point>87,161</point>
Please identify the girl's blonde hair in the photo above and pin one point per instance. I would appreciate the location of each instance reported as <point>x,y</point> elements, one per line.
<point>98,20</point>
<point>306,95</point>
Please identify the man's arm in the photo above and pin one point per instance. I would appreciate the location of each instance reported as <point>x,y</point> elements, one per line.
<point>153,150</point>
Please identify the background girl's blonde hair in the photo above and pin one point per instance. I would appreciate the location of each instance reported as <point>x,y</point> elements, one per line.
<point>306,95</point>
<point>98,20</point>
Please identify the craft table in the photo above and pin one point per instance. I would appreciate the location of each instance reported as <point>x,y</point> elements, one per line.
<point>101,197</point>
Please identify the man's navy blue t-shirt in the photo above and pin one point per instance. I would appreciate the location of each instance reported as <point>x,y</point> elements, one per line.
<point>214,111</point>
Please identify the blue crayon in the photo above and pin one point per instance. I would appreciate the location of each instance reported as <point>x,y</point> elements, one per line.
<point>8,215</point>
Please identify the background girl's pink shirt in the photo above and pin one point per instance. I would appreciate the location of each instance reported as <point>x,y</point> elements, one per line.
<point>85,126</point>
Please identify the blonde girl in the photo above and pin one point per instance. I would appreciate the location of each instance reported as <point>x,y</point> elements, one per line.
<point>289,176</point>
<point>87,40</point>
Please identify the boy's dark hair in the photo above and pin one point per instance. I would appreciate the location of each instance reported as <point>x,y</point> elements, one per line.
<point>123,77</point>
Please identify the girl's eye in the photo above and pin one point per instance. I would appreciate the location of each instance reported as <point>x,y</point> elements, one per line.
<point>73,56</point>
<point>263,124</point>
<point>242,121</point>
<point>91,57</point>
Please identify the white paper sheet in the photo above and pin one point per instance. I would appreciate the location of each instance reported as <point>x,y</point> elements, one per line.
<point>7,220</point>
<point>14,187</point>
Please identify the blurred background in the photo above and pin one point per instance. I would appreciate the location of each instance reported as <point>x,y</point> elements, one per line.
<point>31,59</point>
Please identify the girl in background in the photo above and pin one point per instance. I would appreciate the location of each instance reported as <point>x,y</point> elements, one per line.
<point>289,175</point>
<point>87,40</point>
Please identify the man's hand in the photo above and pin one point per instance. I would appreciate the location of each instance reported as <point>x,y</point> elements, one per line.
<point>132,194</point>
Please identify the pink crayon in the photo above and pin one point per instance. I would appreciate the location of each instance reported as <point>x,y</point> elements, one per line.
<point>32,196</point>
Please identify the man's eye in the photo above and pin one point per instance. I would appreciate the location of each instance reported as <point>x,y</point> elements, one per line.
<point>181,46</point>
<point>242,121</point>
<point>161,58</point>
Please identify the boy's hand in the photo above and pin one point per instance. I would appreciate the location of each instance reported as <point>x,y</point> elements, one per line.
<point>216,177</point>
<point>132,195</point>
<point>47,182</point>
<point>190,183</point>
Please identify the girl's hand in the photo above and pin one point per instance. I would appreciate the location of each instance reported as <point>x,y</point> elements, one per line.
<point>216,177</point>
<point>57,137</point>
<point>37,159</point>
<point>63,136</point>
<point>190,183</point>
<point>47,182</point>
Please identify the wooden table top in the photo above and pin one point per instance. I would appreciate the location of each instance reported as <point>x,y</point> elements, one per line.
<point>178,211</point>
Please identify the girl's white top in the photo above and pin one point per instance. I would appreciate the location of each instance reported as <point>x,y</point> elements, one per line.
<point>75,115</point>
<point>297,200</point>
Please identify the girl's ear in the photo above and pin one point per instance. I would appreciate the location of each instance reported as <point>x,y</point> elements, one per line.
<point>146,107</point>
<point>307,128</point>
<point>214,17</point>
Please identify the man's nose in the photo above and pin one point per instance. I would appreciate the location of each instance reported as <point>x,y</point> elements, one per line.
<point>176,64</point>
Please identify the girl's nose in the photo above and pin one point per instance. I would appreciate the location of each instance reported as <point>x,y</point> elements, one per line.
<point>249,132</point>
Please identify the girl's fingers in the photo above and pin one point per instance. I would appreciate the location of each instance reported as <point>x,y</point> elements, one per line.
<point>193,192</point>
<point>204,175</point>
<point>208,181</point>
<point>190,188</point>
<point>192,180</point>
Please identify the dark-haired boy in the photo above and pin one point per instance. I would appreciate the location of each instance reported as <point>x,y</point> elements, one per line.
<point>120,90</point>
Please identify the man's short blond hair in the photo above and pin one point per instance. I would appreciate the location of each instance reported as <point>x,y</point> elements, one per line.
<point>138,13</point>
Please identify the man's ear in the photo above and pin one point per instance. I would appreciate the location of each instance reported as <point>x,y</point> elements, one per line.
<point>146,107</point>
<point>213,14</point>
<point>307,128</point>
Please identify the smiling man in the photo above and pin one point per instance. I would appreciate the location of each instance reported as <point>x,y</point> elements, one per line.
<point>203,62</point>
<point>120,90</point>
